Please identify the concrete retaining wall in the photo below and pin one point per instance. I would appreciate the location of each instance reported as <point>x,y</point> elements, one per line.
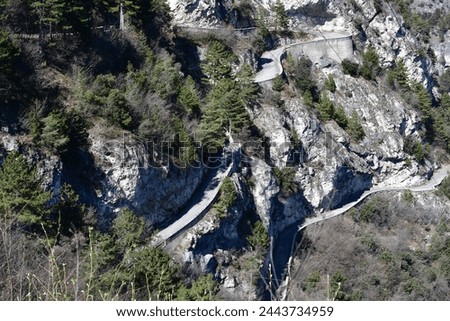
<point>334,49</point>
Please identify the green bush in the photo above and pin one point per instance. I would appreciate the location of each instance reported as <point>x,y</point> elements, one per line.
<point>286,180</point>
<point>444,187</point>
<point>397,77</point>
<point>278,84</point>
<point>117,109</point>
<point>308,99</point>
<point>354,128</point>
<point>259,237</point>
<point>202,289</point>
<point>371,64</point>
<point>340,117</point>
<point>413,147</point>
<point>408,197</point>
<point>337,284</point>
<point>369,243</point>
<point>300,71</point>
<point>373,211</point>
<point>350,68</point>
<point>326,108</point>
<point>228,195</point>
<point>295,139</point>
<point>330,84</point>
<point>312,281</point>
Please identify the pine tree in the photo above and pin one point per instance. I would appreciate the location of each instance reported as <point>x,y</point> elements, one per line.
<point>50,14</point>
<point>302,75</point>
<point>445,103</point>
<point>441,119</point>
<point>278,84</point>
<point>326,108</point>
<point>282,19</point>
<point>183,146</point>
<point>9,50</point>
<point>262,21</point>
<point>218,63</point>
<point>248,89</point>
<point>117,109</point>
<point>330,84</point>
<point>401,75</point>
<point>398,78</point>
<point>259,237</point>
<point>340,117</point>
<point>151,271</point>
<point>202,289</point>
<point>228,196</point>
<point>128,230</point>
<point>371,64</point>
<point>188,97</point>
<point>55,132</point>
<point>354,128</point>
<point>224,108</point>
<point>212,125</point>
<point>21,194</point>
<point>444,82</point>
<point>77,15</point>
<point>164,77</point>
<point>35,126</point>
<point>69,210</point>
<point>424,104</point>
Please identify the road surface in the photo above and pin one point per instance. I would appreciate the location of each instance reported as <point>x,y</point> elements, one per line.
<point>435,180</point>
<point>271,64</point>
<point>197,210</point>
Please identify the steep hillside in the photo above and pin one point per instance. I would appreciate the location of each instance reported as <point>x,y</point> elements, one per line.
<point>121,117</point>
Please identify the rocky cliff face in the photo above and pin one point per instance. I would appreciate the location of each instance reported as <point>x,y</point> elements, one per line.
<point>130,179</point>
<point>334,167</point>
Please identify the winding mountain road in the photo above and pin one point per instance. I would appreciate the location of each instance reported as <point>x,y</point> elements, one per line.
<point>434,181</point>
<point>202,204</point>
<point>271,65</point>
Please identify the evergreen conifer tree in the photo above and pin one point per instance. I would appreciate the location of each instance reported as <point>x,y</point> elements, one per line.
<point>55,132</point>
<point>354,127</point>
<point>21,194</point>
<point>218,62</point>
<point>282,19</point>
<point>188,97</point>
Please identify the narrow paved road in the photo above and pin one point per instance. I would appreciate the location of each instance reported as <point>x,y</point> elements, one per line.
<point>271,64</point>
<point>434,181</point>
<point>271,60</point>
<point>193,213</point>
